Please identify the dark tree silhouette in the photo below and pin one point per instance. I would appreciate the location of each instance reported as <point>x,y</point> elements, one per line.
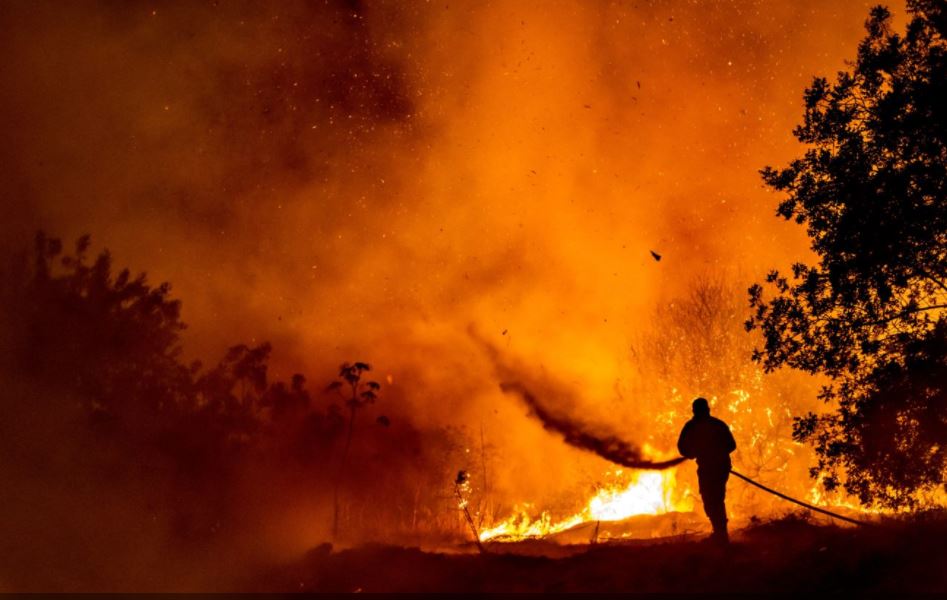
<point>287,402</point>
<point>870,315</point>
<point>111,340</point>
<point>104,350</point>
<point>357,395</point>
<point>100,411</point>
<point>236,389</point>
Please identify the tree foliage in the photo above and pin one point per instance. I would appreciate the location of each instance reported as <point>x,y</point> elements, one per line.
<point>97,395</point>
<point>870,190</point>
<point>360,394</point>
<point>102,351</point>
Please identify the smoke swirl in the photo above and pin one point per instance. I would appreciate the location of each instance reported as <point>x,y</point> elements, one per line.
<point>608,446</point>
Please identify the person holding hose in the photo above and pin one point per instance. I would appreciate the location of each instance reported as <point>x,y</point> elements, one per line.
<point>709,441</point>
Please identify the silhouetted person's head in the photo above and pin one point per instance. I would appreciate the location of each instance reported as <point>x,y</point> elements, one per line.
<point>700,407</point>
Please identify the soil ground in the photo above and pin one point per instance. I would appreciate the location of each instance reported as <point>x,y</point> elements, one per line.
<point>786,555</point>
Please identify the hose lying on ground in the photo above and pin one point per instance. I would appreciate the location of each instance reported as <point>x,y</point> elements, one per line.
<point>799,502</point>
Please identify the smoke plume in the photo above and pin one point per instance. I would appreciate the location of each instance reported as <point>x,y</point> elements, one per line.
<point>608,446</point>
<point>574,431</point>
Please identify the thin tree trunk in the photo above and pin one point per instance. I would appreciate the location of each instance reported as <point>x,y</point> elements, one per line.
<point>338,478</point>
<point>485,497</point>
<point>470,521</point>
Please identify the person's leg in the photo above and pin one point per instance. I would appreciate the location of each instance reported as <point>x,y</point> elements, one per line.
<point>712,493</point>
<point>707,496</point>
<point>725,536</point>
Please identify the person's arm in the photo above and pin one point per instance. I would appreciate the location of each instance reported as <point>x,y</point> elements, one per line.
<point>684,444</point>
<point>731,443</point>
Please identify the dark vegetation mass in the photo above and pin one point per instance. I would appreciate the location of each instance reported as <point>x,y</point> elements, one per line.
<point>114,446</point>
<point>871,315</point>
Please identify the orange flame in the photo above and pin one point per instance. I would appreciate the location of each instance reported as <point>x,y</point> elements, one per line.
<point>639,493</point>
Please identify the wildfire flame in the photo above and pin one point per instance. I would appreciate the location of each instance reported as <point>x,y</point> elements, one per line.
<point>638,493</point>
<point>634,492</point>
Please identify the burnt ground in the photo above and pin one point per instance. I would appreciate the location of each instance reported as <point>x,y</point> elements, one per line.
<point>787,555</point>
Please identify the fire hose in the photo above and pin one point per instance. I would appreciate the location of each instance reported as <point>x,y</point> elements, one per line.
<point>614,449</point>
<point>799,502</point>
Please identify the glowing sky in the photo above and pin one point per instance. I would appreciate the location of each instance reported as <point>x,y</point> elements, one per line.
<point>367,180</point>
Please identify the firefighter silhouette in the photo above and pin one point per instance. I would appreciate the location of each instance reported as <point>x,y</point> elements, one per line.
<point>709,440</point>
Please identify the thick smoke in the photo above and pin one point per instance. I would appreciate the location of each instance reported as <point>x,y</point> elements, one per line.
<point>608,446</point>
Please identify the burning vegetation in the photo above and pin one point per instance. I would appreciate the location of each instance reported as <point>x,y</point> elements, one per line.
<point>461,271</point>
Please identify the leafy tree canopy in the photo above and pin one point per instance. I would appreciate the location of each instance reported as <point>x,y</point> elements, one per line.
<point>870,315</point>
